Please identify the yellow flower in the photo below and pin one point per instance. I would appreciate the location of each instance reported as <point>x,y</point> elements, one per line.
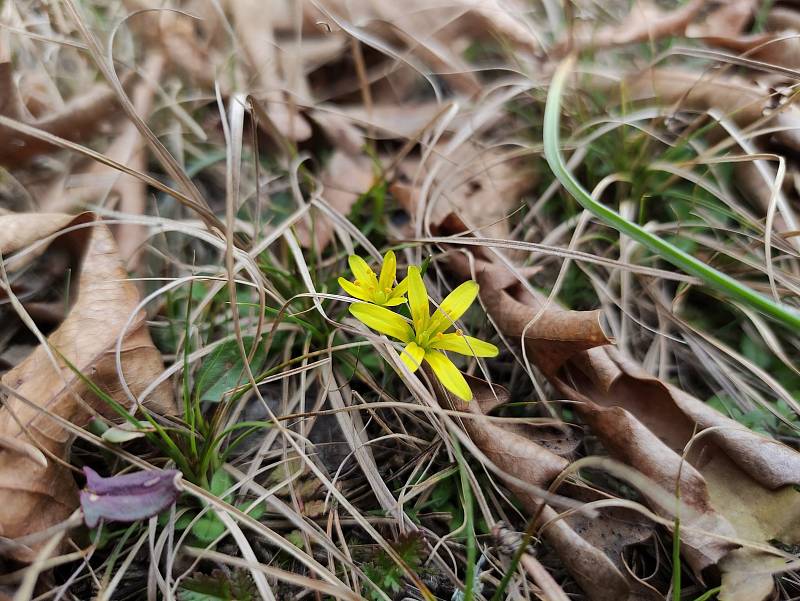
<point>425,336</point>
<point>371,288</point>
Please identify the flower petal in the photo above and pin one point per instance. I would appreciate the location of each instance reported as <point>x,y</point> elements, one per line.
<point>448,375</point>
<point>388,271</point>
<point>382,320</point>
<point>353,290</point>
<point>454,306</point>
<point>401,288</point>
<point>412,356</point>
<point>393,302</point>
<point>129,497</point>
<point>466,345</point>
<point>362,272</point>
<point>417,298</point>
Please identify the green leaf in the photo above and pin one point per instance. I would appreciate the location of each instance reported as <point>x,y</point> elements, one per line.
<point>208,528</point>
<point>224,369</point>
<point>218,586</point>
<point>221,481</point>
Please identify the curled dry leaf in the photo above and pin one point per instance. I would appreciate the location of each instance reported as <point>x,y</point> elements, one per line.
<point>594,565</point>
<point>32,496</point>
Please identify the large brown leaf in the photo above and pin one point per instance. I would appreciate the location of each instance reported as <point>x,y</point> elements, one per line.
<point>36,494</point>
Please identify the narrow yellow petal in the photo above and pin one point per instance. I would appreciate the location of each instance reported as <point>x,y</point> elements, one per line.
<point>401,288</point>
<point>417,298</point>
<point>382,320</point>
<point>353,290</point>
<point>454,306</point>
<point>388,271</point>
<point>412,356</point>
<point>466,345</point>
<point>362,272</point>
<point>393,302</point>
<point>448,375</point>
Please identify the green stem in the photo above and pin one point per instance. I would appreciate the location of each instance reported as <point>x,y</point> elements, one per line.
<point>466,491</point>
<point>671,253</point>
<point>708,594</point>
<point>676,560</point>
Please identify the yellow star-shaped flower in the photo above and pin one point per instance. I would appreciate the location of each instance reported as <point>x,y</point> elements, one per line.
<point>426,336</point>
<point>371,288</point>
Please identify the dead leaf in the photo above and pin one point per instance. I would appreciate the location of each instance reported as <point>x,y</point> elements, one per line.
<point>508,450</point>
<point>646,22</point>
<point>783,18</point>
<point>253,24</point>
<point>733,97</point>
<point>77,120</point>
<point>591,566</point>
<point>33,497</point>
<point>340,130</point>
<point>550,591</point>
<point>646,424</point>
<point>99,180</point>
<point>481,187</point>
<point>728,19</point>
<point>384,121</point>
<point>344,179</point>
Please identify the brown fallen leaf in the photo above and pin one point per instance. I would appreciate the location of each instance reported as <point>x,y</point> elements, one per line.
<point>32,496</point>
<point>595,571</point>
<point>77,120</point>
<point>783,18</point>
<point>254,28</point>
<point>731,96</point>
<point>339,130</point>
<point>384,121</point>
<point>444,20</point>
<point>343,180</point>
<point>10,101</point>
<point>646,22</point>
<point>187,43</point>
<point>726,19</point>
<point>550,591</point>
<point>481,187</point>
<point>99,180</point>
<point>647,424</point>
<point>509,450</point>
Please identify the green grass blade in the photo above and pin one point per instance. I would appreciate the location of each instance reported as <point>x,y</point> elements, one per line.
<point>716,279</point>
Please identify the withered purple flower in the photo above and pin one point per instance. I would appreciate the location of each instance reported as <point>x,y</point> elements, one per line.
<point>129,497</point>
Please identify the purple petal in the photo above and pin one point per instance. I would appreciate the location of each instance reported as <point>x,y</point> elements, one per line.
<point>129,497</point>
